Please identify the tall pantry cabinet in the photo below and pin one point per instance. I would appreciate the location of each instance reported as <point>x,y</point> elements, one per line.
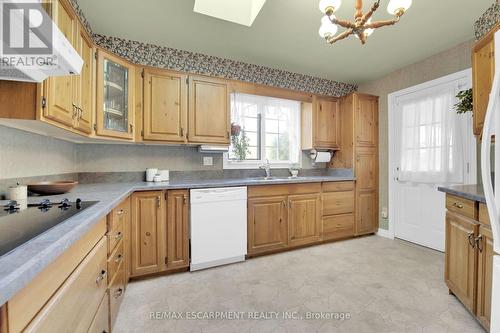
<point>359,151</point>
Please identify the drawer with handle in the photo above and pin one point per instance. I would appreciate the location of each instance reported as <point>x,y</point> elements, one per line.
<point>114,260</point>
<point>115,233</point>
<point>338,203</point>
<point>337,186</point>
<point>73,306</point>
<point>338,226</point>
<point>116,293</point>
<point>100,324</point>
<point>461,206</point>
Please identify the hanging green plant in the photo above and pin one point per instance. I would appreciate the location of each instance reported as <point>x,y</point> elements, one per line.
<point>240,142</point>
<point>465,101</point>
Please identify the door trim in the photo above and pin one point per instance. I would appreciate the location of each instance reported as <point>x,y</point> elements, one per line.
<point>392,97</point>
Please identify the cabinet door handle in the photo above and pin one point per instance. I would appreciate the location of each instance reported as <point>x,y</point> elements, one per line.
<point>101,277</point>
<point>227,135</point>
<point>471,240</point>
<point>120,212</point>
<point>75,111</point>
<point>479,243</point>
<point>119,235</point>
<point>458,205</point>
<point>184,198</point>
<point>158,199</point>
<point>80,113</point>
<point>118,293</point>
<point>131,128</point>
<point>182,132</point>
<point>119,258</point>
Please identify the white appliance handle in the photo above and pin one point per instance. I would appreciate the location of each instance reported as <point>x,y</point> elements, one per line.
<point>488,130</point>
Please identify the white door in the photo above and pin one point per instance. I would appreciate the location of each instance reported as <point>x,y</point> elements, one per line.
<point>431,145</point>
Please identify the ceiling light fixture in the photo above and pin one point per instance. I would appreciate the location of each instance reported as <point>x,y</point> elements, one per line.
<point>362,27</point>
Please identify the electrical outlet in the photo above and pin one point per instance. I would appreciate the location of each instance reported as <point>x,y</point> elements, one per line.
<point>384,213</point>
<point>208,160</point>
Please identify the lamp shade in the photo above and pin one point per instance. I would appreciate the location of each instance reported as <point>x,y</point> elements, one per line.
<point>395,6</point>
<point>324,4</point>
<point>327,28</point>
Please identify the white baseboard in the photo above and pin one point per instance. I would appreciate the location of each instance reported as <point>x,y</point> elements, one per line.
<point>385,233</point>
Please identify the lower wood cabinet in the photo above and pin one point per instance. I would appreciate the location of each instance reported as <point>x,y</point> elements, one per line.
<point>100,324</point>
<point>304,219</point>
<point>160,231</point>
<point>70,309</point>
<point>461,258</point>
<point>148,232</point>
<point>366,211</point>
<point>484,245</point>
<point>267,224</point>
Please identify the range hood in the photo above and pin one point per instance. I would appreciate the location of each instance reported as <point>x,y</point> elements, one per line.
<point>26,63</point>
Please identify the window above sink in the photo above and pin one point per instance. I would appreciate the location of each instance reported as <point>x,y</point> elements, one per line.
<point>263,128</point>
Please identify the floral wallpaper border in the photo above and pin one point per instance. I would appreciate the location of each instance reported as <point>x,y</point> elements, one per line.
<point>185,61</point>
<point>487,21</point>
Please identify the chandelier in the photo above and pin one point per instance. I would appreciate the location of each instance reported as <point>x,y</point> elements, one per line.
<point>362,27</point>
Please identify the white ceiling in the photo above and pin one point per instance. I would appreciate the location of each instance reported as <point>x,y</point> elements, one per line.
<point>285,33</point>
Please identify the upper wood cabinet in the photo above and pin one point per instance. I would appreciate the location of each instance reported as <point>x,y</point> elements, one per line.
<point>484,245</point>
<point>267,224</point>
<point>85,83</point>
<point>483,70</point>
<point>60,94</point>
<point>461,258</point>
<point>209,110</point>
<point>165,106</point>
<point>148,231</point>
<point>321,124</point>
<point>115,96</point>
<point>177,228</point>
<point>304,219</point>
<point>366,120</point>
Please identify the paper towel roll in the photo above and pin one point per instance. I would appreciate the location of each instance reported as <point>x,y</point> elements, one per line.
<point>322,157</point>
<point>18,193</point>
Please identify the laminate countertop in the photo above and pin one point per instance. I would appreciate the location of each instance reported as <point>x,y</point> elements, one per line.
<point>20,266</point>
<point>471,192</point>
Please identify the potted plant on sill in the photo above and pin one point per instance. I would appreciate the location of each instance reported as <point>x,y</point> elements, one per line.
<point>239,142</point>
<point>465,101</point>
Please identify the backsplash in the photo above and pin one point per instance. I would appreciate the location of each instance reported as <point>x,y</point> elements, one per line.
<point>487,21</point>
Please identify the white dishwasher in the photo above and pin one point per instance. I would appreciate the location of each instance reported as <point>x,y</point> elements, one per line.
<point>218,226</point>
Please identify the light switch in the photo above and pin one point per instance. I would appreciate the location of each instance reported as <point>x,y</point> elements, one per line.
<point>208,160</point>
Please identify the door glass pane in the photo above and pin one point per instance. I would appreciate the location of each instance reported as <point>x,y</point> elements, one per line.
<point>115,97</point>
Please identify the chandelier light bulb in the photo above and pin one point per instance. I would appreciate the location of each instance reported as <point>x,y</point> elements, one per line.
<point>327,28</point>
<point>368,32</point>
<point>395,6</point>
<point>324,5</point>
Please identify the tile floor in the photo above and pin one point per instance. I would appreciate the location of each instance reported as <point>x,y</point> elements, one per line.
<point>384,285</point>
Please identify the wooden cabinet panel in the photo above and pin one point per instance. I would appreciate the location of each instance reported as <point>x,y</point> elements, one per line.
<point>337,186</point>
<point>326,129</point>
<point>461,258</point>
<point>366,169</point>
<point>148,229</point>
<point>267,224</point>
<point>304,220</point>
<point>178,229</point>
<point>483,70</point>
<point>85,84</point>
<point>484,246</point>
<point>165,106</point>
<point>73,307</point>
<point>366,120</point>
<point>338,226</point>
<point>115,230</point>
<point>60,91</point>
<point>338,203</point>
<point>100,324</point>
<point>483,214</point>
<point>116,292</point>
<point>209,110</point>
<point>366,212</point>
<point>462,206</point>
<point>115,260</point>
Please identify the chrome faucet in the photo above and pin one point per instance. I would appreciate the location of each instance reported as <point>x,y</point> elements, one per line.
<point>266,167</point>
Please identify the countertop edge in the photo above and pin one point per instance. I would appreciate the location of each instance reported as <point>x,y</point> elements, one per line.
<point>462,193</point>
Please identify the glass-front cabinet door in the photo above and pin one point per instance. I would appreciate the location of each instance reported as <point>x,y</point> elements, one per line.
<point>115,96</point>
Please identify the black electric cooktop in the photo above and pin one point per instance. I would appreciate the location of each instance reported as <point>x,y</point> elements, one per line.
<point>18,225</point>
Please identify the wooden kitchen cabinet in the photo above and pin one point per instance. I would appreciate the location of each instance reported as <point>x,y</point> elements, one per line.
<point>366,169</point>
<point>304,219</point>
<point>461,258</point>
<point>321,124</point>
<point>484,246</point>
<point>483,70</point>
<point>177,229</point>
<point>165,115</point>
<point>366,120</point>
<point>115,96</point>
<point>209,111</point>
<point>267,224</point>
<point>100,324</point>
<point>366,212</point>
<point>337,210</point>
<point>85,83</point>
<point>148,230</point>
